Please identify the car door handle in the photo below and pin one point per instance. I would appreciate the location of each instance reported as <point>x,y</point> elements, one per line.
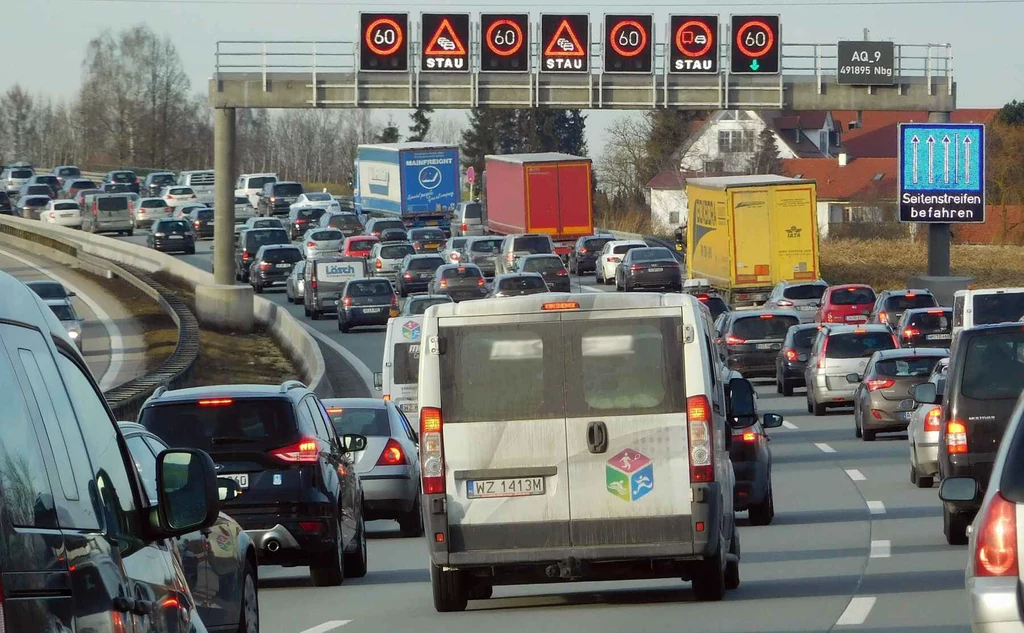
<point>597,437</point>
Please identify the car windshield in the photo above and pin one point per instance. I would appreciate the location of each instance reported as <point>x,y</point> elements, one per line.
<point>428,235</point>
<point>255,239</point>
<point>804,338</point>
<point>858,344</point>
<point>542,264</point>
<point>48,289</point>
<point>282,255</point>
<point>910,367</point>
<point>901,303</point>
<point>462,272</point>
<point>113,203</point>
<point>63,311</point>
<point>764,326</point>
<point>318,196</point>
<point>1005,307</point>
<point>419,306</point>
<point>804,292</point>
<point>852,296</point>
<point>425,263</point>
<point>174,226</point>
<point>361,245</point>
<point>287,189</point>
<point>522,283</point>
<point>360,421</point>
<point>532,244</point>
<point>323,236</point>
<point>369,288</point>
<point>485,246</point>
<point>622,249</point>
<point>258,181</point>
<point>994,365</point>
<point>216,423</point>
<point>472,211</point>
<point>396,251</point>
<point>652,255</point>
<point>932,320</point>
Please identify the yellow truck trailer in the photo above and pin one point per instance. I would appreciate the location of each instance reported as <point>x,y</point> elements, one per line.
<point>745,234</point>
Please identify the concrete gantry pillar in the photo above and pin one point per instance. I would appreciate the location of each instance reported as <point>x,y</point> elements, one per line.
<point>224,196</point>
<point>938,234</point>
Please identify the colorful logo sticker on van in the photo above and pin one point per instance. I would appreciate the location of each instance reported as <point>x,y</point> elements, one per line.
<point>629,475</point>
<point>411,330</point>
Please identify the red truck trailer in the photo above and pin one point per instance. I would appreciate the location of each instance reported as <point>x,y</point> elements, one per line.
<point>540,193</point>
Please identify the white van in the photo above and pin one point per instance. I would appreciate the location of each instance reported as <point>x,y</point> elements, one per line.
<point>201,182</point>
<point>576,437</point>
<point>401,367</point>
<point>250,185</point>
<point>982,307</point>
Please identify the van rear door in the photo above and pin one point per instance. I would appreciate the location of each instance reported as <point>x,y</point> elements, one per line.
<point>402,362</point>
<point>751,226</point>
<point>989,385</point>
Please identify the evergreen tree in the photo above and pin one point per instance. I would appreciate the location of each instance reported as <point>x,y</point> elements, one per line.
<point>420,123</point>
<point>667,131</point>
<point>766,157</point>
<point>390,133</point>
<point>480,138</point>
<point>1012,113</point>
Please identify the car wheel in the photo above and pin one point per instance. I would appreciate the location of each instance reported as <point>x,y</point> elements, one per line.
<point>924,482</point>
<point>732,567</point>
<point>332,572</point>
<point>856,427</point>
<point>819,409</point>
<point>402,291</point>
<point>344,327</point>
<point>778,383</point>
<point>787,389</point>
<point>257,288</point>
<point>314,314</point>
<point>869,436</point>
<point>449,587</point>
<point>411,522</point>
<point>764,512</point>
<point>130,232</point>
<point>913,473</point>
<point>305,310</point>
<point>709,577</point>
<point>355,562</point>
<point>810,407</point>
<point>249,619</point>
<point>190,251</point>
<point>954,526</point>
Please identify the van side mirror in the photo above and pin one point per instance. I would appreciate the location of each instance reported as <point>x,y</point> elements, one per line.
<point>771,420</point>
<point>742,406</point>
<point>958,489</point>
<point>187,491</point>
<point>378,381</point>
<point>853,379</point>
<point>925,393</point>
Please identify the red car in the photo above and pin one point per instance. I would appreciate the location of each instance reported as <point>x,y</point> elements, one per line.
<point>359,245</point>
<point>846,304</point>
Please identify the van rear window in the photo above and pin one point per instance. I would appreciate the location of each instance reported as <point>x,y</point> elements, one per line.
<point>406,366</point>
<point>473,211</point>
<point>994,366</point>
<point>533,244</point>
<point>1005,307</point>
<point>114,203</point>
<point>852,296</point>
<point>287,189</point>
<point>901,303</point>
<point>215,424</point>
<point>21,173</point>
<point>858,344</point>
<point>485,246</point>
<point>804,292</point>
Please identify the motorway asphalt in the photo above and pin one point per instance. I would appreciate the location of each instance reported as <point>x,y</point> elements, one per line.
<point>854,547</point>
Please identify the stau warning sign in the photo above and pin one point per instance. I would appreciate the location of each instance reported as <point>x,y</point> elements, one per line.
<point>444,37</point>
<point>566,43</point>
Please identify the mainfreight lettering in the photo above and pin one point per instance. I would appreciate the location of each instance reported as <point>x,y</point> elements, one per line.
<point>417,182</point>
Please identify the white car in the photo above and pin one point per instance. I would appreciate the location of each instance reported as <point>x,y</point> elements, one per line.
<point>386,258</point>
<point>249,186</point>
<point>149,210</point>
<point>62,213</point>
<point>322,241</point>
<point>177,195</point>
<point>316,200</point>
<point>923,433</point>
<point>611,255</point>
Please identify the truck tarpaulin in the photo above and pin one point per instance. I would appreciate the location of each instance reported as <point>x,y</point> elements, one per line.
<point>431,180</point>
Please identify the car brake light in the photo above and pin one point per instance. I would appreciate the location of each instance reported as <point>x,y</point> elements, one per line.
<point>910,295</point>
<point>792,356</point>
<point>583,250</point>
<point>464,227</point>
<point>310,244</point>
<point>995,552</point>
<point>956,437</point>
<point>911,332</point>
<point>829,317</point>
<point>875,413</point>
<point>378,264</point>
<point>196,223</point>
<point>933,419</point>
<point>313,527</point>
<point>698,424</point>
<point>305,451</point>
<point>785,303</point>
<point>615,259</point>
<point>936,312</point>
<point>821,357</point>
<point>393,454</point>
<point>767,316</point>
<point>480,281</point>
<point>883,316</point>
<point>265,265</point>
<point>444,283</point>
<point>509,258</point>
<point>880,383</point>
<point>432,450</point>
<point>407,276</point>
<point>703,297</point>
<point>215,402</point>
<point>394,300</point>
<point>734,340</point>
<point>301,221</point>
<point>347,302</point>
<point>245,256</point>
<point>635,268</point>
<point>312,284</point>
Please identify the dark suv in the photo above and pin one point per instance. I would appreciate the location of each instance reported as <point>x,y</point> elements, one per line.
<point>750,340</point>
<point>370,301</point>
<point>276,198</point>
<point>123,177</point>
<point>249,243</point>
<point>984,381</point>
<point>891,304</point>
<point>792,359</point>
<point>301,500</point>
<point>155,182</point>
<point>170,235</point>
<point>583,256</point>
<point>272,265</point>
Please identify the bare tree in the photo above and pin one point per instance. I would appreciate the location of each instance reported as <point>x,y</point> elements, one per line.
<point>621,168</point>
<point>18,122</point>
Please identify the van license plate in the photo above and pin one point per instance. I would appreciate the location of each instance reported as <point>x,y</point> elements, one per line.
<point>938,337</point>
<point>242,479</point>
<point>516,487</point>
<point>409,407</point>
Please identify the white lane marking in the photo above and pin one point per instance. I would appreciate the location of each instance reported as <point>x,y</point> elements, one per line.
<point>353,360</point>
<point>824,448</point>
<point>327,626</point>
<point>855,474</point>
<point>876,507</point>
<point>789,425</point>
<point>881,549</point>
<point>116,360</point>
<point>857,611</point>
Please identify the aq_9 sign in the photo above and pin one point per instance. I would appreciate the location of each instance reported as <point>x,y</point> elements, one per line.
<point>755,44</point>
<point>505,43</point>
<point>565,43</point>
<point>384,45</point>
<point>445,39</point>
<point>628,44</point>
<point>694,45</point>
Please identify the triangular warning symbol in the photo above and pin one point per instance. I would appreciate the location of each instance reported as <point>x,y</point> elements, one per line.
<point>445,41</point>
<point>564,42</point>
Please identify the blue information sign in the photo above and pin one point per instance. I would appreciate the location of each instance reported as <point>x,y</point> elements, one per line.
<point>942,172</point>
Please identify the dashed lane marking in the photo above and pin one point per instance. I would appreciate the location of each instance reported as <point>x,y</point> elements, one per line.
<point>855,474</point>
<point>881,549</point>
<point>789,425</point>
<point>876,507</point>
<point>824,448</point>
<point>857,611</point>
<point>327,626</point>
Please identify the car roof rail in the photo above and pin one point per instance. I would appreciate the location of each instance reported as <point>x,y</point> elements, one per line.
<point>288,385</point>
<point>159,391</point>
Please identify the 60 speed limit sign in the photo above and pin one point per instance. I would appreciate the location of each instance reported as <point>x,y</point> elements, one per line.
<point>628,44</point>
<point>384,42</point>
<point>754,45</point>
<point>505,42</point>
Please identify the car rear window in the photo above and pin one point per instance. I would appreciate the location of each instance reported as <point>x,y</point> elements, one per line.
<point>462,272</point>
<point>49,290</point>
<point>38,189</point>
<point>63,311</point>
<point>532,244</point>
<point>288,189</point>
<point>255,239</point>
<point>361,245</point>
<point>180,191</point>
<point>522,283</point>
<point>343,221</point>
<point>65,206</point>
<point>764,326</point>
<point>360,421</point>
<point>653,255</point>
<point>1005,307</point>
<point>425,263</point>
<point>485,246</point>
<point>804,339</point>
<point>910,367</point>
<point>994,365</point>
<point>309,214</point>
<point>852,296</point>
<point>83,184</point>
<point>900,303</point>
<point>161,179</point>
<point>596,243</point>
<point>432,235</point>
<point>804,292</point>
<point>858,344</point>
<point>473,211</point>
<point>115,203</point>
<point>382,225</point>
<point>204,214</point>
<point>327,235</point>
<point>396,251</point>
<point>319,197</point>
<point>173,226</point>
<point>216,424</point>
<point>542,264</point>
<point>282,255</point>
<point>267,223</point>
<point>21,173</point>
<point>622,249</point>
<point>938,320</point>
<point>369,288</point>
<point>259,181</point>
<point>64,172</point>
<point>419,306</point>
<point>122,176</point>
<point>38,201</point>
<point>154,203</point>
<point>406,367</point>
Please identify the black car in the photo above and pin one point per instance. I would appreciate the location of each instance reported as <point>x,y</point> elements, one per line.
<point>170,235</point>
<point>249,242</point>
<point>276,198</point>
<point>458,281</point>
<point>518,285</point>
<point>394,235</point>
<point>81,534</point>
<point>983,384</point>
<point>221,556</point>
<point>201,219</point>
<point>303,219</point>
<point>370,301</point>
<point>154,183</point>
<point>925,327</point>
<point>583,256</point>
<point>482,251</point>
<point>891,304</point>
<point>272,265</point>
<point>301,501</point>
<point>550,267</point>
<point>123,177</point>
<point>714,303</point>
<point>751,459</point>
<point>648,268</point>
<point>415,273</point>
<point>347,223</point>
<point>5,204</point>
<point>792,359</point>
<point>429,240</point>
<point>49,290</point>
<point>752,339</point>
<point>30,207</point>
<point>49,180</point>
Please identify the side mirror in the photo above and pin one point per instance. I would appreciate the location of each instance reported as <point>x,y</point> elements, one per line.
<point>925,393</point>
<point>853,379</point>
<point>227,489</point>
<point>71,293</point>
<point>771,420</point>
<point>187,491</point>
<point>354,442</point>
<point>378,381</point>
<point>742,405</point>
<point>958,489</point>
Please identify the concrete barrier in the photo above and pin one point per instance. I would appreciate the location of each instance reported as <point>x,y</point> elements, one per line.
<point>67,246</point>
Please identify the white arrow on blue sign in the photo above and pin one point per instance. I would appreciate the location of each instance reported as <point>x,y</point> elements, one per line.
<point>942,172</point>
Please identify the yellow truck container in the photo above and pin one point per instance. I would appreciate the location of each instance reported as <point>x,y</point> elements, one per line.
<point>744,234</point>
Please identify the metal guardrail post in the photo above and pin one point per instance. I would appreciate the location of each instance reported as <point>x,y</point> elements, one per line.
<point>216,68</point>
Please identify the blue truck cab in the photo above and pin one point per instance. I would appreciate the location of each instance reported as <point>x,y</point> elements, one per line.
<point>418,183</point>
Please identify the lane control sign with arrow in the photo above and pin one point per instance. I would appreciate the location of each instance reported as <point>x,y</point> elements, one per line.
<point>942,172</point>
<point>755,44</point>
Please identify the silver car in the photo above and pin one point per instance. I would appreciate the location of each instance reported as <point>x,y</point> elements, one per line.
<point>996,536</point>
<point>840,350</point>
<point>14,178</point>
<point>295,287</point>
<point>923,432</point>
<point>322,242</point>
<point>149,210</point>
<point>452,250</point>
<point>389,466</point>
<point>386,258</point>
<point>67,316</point>
<point>804,297</point>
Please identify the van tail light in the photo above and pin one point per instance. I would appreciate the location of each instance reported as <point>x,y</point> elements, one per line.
<point>785,303</point>
<point>312,284</point>
<point>394,301</point>
<point>883,317</point>
<point>464,227</point>
<point>432,450</point>
<point>821,357</point>
<point>347,302</point>
<point>933,419</point>
<point>791,355</point>
<point>305,451</point>
<point>698,424</point>
<point>956,437</point>
<point>911,332</point>
<point>734,340</point>
<point>393,454</point>
<point>879,383</point>
<point>748,437</point>
<point>995,552</point>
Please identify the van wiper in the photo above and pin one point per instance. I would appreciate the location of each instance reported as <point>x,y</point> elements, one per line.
<point>227,439</point>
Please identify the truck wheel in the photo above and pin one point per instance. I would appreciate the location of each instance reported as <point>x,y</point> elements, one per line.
<point>732,568</point>
<point>450,592</point>
<point>709,578</point>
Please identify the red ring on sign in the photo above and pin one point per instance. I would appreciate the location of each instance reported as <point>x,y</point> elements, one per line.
<point>519,37</point>
<point>399,37</point>
<point>743,29</point>
<point>621,25</point>
<point>679,34</point>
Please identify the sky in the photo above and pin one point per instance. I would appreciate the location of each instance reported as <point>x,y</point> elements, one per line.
<point>50,36</point>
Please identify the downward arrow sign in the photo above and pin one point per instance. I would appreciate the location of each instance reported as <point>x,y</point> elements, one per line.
<point>754,65</point>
